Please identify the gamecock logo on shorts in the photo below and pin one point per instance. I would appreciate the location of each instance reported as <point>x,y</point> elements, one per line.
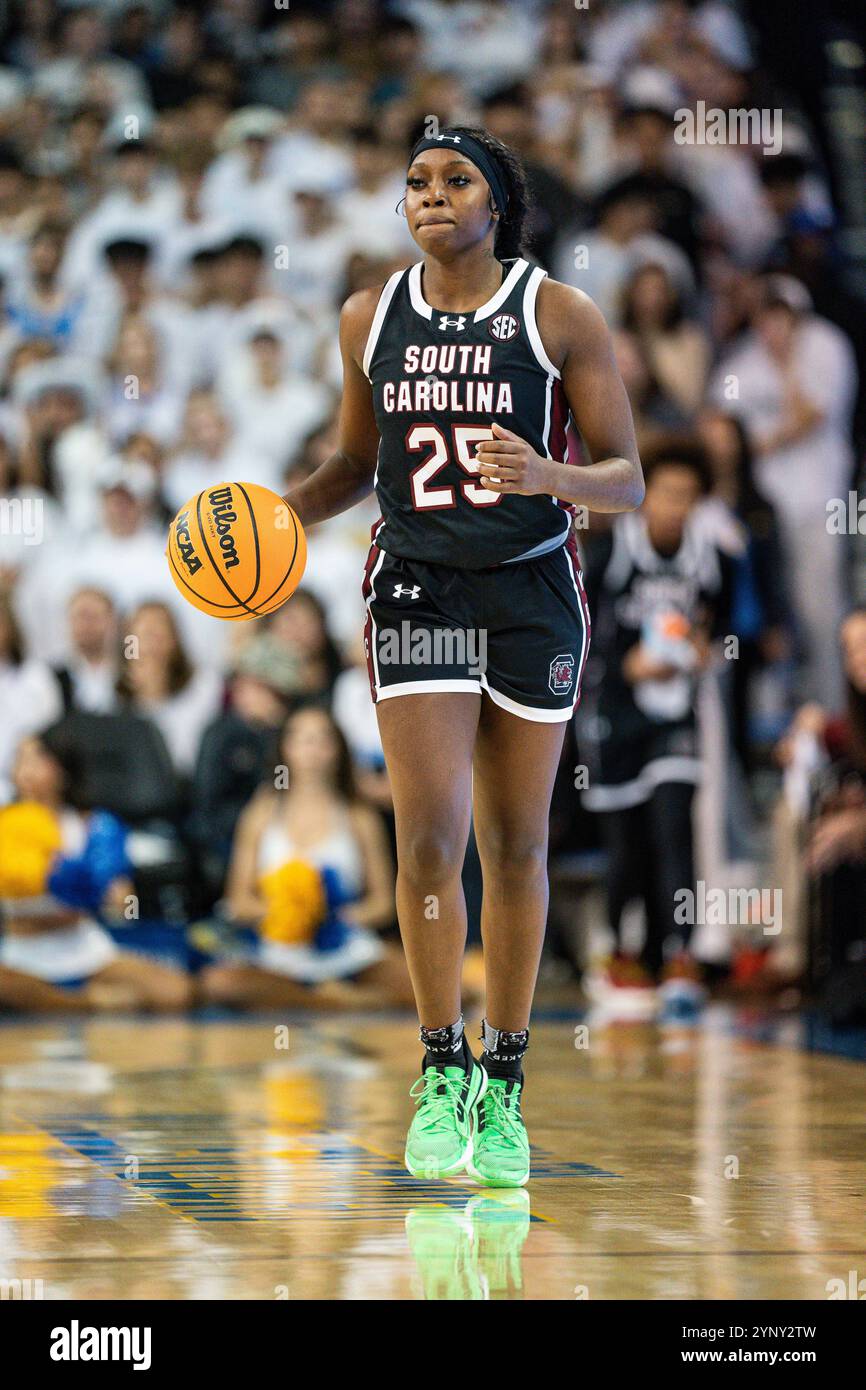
<point>503,327</point>
<point>562,674</point>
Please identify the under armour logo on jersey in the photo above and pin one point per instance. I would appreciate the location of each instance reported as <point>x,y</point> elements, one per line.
<point>503,327</point>
<point>400,591</point>
<point>445,322</point>
<point>561,674</point>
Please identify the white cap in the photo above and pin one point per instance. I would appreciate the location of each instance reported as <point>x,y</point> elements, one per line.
<point>250,123</point>
<point>78,374</point>
<point>131,475</point>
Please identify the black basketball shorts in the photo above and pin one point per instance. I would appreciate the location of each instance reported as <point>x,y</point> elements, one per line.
<point>518,631</point>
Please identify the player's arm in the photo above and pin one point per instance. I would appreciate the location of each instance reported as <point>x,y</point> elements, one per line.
<point>578,343</point>
<point>347,476</point>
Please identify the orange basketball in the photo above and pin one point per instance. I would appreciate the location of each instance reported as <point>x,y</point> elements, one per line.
<point>236,551</point>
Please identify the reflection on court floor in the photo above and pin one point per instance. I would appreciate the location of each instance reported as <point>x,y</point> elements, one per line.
<point>196,1159</point>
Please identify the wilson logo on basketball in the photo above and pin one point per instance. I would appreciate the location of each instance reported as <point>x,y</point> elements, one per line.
<point>224,516</point>
<point>503,327</point>
<point>236,551</point>
<point>184,544</point>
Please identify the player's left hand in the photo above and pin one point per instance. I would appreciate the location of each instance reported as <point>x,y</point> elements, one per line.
<point>508,464</point>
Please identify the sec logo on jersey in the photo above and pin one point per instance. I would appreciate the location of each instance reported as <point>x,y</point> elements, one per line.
<point>504,327</point>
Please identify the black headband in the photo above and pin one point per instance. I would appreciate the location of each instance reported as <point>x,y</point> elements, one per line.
<point>473,150</point>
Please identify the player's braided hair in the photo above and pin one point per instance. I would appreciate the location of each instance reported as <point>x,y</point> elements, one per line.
<point>510,229</point>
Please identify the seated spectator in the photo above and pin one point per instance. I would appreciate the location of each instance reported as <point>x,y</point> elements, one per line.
<point>239,749</point>
<point>598,260</point>
<point>659,591</point>
<point>271,407</point>
<point>838,834</point>
<point>158,680</point>
<point>312,872</point>
<point>62,444</point>
<point>59,867</point>
<point>30,696</point>
<point>242,174</point>
<point>140,203</point>
<point>209,452</point>
<point>823,754</point>
<point>647,126</point>
<point>676,348</point>
<point>40,306</point>
<point>89,676</point>
<point>129,289</point>
<point>510,114</point>
<point>301,627</point>
<point>125,556</point>
<point>656,415</point>
<point>141,393</point>
<point>355,713</point>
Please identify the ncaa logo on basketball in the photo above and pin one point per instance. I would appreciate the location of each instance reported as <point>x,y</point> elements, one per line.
<point>183,540</point>
<point>504,327</point>
<point>562,674</point>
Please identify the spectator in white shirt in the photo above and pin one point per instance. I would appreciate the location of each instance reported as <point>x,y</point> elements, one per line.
<point>124,555</point>
<point>158,680</point>
<point>142,394</point>
<point>212,452</point>
<point>142,204</point>
<point>244,179</point>
<point>793,382</point>
<point>30,697</point>
<point>127,287</point>
<point>272,408</point>
<point>89,675</point>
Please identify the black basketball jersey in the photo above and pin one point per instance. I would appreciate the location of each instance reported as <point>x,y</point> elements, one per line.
<point>635,594</point>
<point>439,381</point>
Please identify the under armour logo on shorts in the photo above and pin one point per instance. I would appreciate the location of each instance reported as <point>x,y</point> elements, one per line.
<point>400,591</point>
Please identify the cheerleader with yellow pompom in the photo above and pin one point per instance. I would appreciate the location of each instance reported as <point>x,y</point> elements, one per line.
<point>311,870</point>
<point>60,867</point>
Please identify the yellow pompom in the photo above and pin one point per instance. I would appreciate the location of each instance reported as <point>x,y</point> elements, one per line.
<point>296,902</point>
<point>30,837</point>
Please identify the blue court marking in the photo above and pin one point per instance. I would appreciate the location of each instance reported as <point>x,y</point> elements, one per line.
<point>217,1182</point>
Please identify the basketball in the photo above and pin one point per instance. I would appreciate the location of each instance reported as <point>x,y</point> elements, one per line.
<point>236,551</point>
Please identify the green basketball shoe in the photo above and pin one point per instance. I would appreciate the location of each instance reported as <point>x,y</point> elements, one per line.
<point>439,1142</point>
<point>500,1156</point>
<point>441,1243</point>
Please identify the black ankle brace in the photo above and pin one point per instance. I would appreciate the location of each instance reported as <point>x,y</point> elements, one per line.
<point>443,1044</point>
<point>500,1046</point>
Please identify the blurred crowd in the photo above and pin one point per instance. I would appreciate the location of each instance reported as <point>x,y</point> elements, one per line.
<point>187,195</point>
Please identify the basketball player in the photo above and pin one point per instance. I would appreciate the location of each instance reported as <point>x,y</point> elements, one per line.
<point>459,377</point>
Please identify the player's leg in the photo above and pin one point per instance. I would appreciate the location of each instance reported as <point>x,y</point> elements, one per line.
<point>515,767</point>
<point>428,741</point>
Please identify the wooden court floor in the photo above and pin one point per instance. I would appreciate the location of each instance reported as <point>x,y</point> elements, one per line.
<point>196,1159</point>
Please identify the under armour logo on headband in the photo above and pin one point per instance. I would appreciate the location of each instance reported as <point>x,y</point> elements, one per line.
<point>455,138</point>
